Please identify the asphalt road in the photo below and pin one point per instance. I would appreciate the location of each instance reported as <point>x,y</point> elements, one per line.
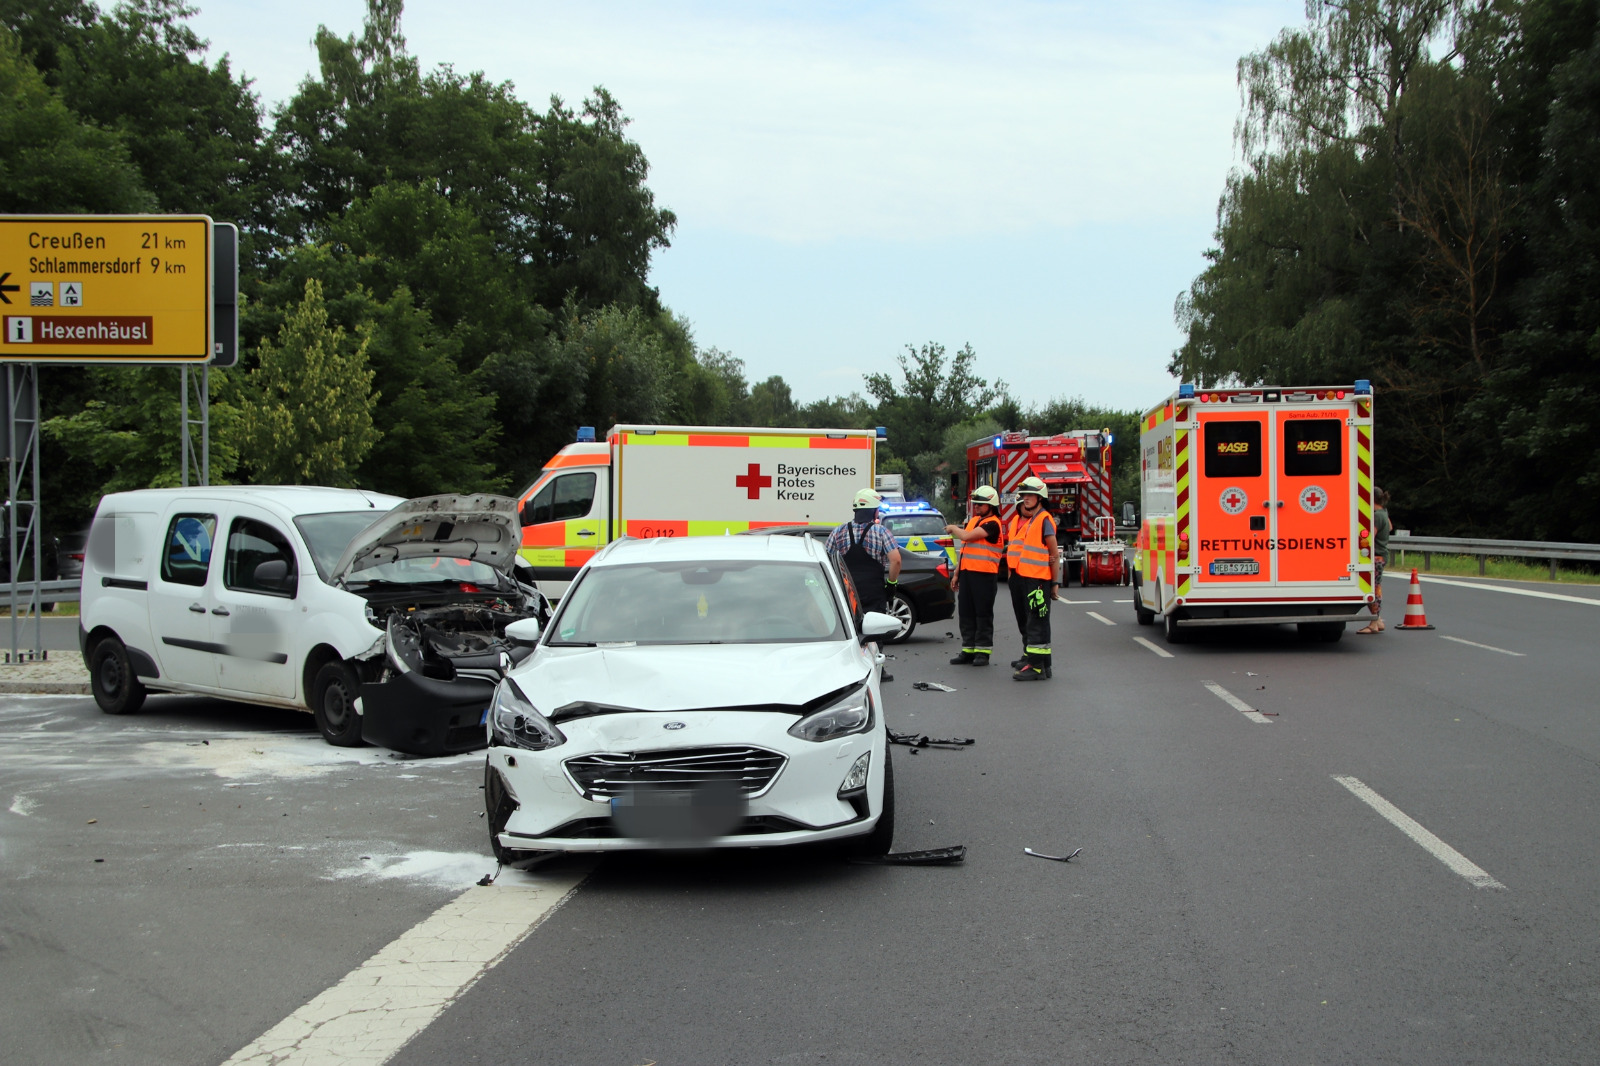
<point>1237,900</point>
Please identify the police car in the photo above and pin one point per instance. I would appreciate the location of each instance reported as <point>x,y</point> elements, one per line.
<point>918,526</point>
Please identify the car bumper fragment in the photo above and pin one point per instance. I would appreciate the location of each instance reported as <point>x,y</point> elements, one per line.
<point>424,716</point>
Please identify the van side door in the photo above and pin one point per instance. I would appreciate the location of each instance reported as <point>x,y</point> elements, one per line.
<point>565,520</point>
<point>180,596</point>
<point>257,605</point>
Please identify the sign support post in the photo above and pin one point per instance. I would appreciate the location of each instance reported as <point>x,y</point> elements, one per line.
<point>22,468</point>
<point>196,458</point>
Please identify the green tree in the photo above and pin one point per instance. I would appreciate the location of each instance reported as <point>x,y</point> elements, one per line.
<point>307,415</point>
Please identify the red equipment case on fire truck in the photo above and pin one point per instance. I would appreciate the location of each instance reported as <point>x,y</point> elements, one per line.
<point>1076,468</point>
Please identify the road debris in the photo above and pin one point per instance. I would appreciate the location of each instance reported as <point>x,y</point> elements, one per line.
<point>923,740</point>
<point>931,857</point>
<point>931,686</point>
<point>1054,858</point>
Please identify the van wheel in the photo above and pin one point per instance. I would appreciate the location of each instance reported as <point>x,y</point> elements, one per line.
<point>111,678</point>
<point>333,704</point>
<point>881,838</point>
<point>1175,633</point>
<point>1141,614</point>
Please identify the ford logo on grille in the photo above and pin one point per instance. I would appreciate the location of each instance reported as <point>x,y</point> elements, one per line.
<point>674,725</point>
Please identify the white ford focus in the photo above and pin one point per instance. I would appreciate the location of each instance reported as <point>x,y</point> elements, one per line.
<point>695,692</point>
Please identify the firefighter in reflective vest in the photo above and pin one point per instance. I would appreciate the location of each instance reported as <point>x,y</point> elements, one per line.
<point>1033,558</point>
<point>977,575</point>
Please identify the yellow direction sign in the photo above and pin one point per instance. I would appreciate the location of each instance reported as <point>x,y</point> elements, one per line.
<point>122,289</point>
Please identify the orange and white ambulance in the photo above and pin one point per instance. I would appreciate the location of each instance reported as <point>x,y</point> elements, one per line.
<point>1257,509</point>
<point>684,481</point>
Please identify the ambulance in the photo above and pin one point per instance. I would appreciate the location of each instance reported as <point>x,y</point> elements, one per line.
<point>684,481</point>
<point>1257,509</point>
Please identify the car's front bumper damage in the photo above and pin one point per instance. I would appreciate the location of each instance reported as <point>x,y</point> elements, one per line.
<point>421,715</point>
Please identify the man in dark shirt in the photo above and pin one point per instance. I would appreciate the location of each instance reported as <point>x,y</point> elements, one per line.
<point>868,551</point>
<point>977,575</point>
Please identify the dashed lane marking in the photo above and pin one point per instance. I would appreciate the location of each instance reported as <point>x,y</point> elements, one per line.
<point>377,1008</point>
<point>1098,617</point>
<point>1121,601</point>
<point>1413,829</point>
<point>1075,603</point>
<point>1236,703</point>
<point>1590,600</point>
<point>1485,647</point>
<point>1158,649</point>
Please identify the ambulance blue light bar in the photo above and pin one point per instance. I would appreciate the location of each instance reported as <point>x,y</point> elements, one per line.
<point>883,432</point>
<point>1363,387</point>
<point>1185,392</point>
<point>585,434</point>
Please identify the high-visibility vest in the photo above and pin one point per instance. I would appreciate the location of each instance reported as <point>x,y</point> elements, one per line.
<point>1026,554</point>
<point>979,555</point>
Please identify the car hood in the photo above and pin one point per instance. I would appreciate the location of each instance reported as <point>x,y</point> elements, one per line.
<point>574,682</point>
<point>482,528</point>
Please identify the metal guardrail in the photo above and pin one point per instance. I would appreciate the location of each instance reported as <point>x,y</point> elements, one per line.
<point>1555,551</point>
<point>49,592</point>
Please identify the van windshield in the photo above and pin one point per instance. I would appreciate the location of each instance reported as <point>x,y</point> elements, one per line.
<point>327,535</point>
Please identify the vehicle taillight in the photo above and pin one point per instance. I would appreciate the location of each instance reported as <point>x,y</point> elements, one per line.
<point>944,570</point>
<point>944,542</point>
<point>76,557</point>
<point>1340,394</point>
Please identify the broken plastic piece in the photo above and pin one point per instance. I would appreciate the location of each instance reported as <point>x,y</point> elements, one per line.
<point>486,880</point>
<point>931,686</point>
<point>1055,858</point>
<point>923,740</point>
<point>931,857</point>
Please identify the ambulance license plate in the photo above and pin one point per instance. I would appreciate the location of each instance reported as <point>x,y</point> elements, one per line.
<point>1222,567</point>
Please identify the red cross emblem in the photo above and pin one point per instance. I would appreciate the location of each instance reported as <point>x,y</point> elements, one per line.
<point>753,481</point>
<point>1313,499</point>
<point>1234,500</point>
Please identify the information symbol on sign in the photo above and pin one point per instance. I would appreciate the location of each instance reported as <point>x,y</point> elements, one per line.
<point>19,330</point>
<point>41,294</point>
<point>72,294</point>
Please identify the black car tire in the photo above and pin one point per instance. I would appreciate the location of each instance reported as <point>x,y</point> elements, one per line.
<point>333,704</point>
<point>902,608</point>
<point>881,839</point>
<point>1176,634</point>
<point>116,688</point>
<point>1142,614</point>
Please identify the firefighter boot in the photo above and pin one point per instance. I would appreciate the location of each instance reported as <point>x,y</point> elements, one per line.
<point>1034,668</point>
<point>963,659</point>
<point>980,658</point>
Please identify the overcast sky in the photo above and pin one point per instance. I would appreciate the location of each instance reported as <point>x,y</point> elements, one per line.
<point>1037,179</point>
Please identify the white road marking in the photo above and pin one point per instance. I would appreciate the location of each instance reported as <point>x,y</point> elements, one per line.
<point>1236,703</point>
<point>379,1006</point>
<point>1158,649</point>
<point>1075,603</point>
<point>1098,617</point>
<point>1121,601</point>
<point>1411,828</point>
<point>1485,647</point>
<point>1590,600</point>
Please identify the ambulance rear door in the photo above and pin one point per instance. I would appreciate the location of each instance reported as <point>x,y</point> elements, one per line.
<point>1315,497</point>
<point>1233,514</point>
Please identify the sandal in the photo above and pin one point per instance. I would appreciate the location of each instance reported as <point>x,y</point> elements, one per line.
<point>1366,632</point>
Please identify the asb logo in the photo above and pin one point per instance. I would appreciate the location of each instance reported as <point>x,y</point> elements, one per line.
<point>1313,499</point>
<point>1234,500</point>
<point>753,481</point>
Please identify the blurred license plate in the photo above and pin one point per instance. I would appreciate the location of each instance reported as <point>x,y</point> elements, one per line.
<point>678,814</point>
<point>1221,567</point>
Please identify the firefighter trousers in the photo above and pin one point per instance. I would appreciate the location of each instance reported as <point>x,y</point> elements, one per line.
<point>1030,599</point>
<point>975,611</point>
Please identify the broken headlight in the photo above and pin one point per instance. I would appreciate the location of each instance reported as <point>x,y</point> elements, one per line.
<point>402,645</point>
<point>853,714</point>
<point>515,723</point>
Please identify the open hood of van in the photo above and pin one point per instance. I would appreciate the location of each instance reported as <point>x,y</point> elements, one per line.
<point>480,528</point>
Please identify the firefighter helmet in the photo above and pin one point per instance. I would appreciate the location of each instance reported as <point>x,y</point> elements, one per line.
<point>866,499</point>
<point>1033,485</point>
<point>986,494</point>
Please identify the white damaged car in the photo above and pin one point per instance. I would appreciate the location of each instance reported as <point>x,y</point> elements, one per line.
<point>694,692</point>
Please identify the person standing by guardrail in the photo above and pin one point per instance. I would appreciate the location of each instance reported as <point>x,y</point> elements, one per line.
<point>1381,528</point>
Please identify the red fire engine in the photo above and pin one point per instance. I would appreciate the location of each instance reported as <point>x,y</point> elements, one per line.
<point>1076,467</point>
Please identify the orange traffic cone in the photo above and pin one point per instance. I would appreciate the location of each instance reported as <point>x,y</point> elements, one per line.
<point>1416,617</point>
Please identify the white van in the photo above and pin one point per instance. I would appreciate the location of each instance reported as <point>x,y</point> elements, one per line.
<point>384,617</point>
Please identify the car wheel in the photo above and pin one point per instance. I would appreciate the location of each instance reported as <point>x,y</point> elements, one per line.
<point>1175,633</point>
<point>116,688</point>
<point>333,703</point>
<point>1141,614</point>
<point>901,608</point>
<point>881,838</point>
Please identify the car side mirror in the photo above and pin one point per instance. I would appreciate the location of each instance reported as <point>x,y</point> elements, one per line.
<point>273,574</point>
<point>524,631</point>
<point>875,624</point>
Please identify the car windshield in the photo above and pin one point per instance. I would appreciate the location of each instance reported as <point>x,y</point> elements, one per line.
<point>914,525</point>
<point>328,535</point>
<point>699,603</point>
